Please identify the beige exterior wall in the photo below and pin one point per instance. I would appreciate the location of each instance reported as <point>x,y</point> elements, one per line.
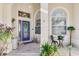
<point>5,16</point>
<point>73,18</point>
<point>76,24</point>
<point>10,10</point>
<point>68,7</point>
<point>1,11</point>
<point>26,8</point>
<point>29,8</point>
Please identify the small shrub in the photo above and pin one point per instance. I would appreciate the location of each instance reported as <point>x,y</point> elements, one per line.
<point>48,49</point>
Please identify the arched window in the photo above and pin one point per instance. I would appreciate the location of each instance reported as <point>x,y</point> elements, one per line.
<point>59,17</point>
<point>38,23</point>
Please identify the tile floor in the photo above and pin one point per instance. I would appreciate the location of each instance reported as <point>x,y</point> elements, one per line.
<point>33,49</point>
<point>65,51</point>
<point>29,49</point>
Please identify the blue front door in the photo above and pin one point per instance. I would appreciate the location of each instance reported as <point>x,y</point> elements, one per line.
<point>25,30</point>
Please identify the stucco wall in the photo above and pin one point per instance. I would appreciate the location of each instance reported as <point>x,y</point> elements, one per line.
<point>1,11</point>
<point>73,19</point>
<point>10,10</point>
<point>29,8</point>
<point>76,24</point>
<point>5,17</point>
<point>22,7</point>
<point>68,7</point>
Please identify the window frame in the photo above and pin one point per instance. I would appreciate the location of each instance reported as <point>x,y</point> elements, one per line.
<point>65,23</point>
<point>38,21</point>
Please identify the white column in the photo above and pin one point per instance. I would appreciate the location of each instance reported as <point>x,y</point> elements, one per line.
<point>44,22</point>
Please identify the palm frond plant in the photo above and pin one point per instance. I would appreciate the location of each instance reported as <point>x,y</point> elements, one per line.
<point>71,29</point>
<point>5,34</point>
<point>55,50</point>
<point>48,49</point>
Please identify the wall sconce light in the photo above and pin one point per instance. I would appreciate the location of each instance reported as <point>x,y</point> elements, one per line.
<point>13,20</point>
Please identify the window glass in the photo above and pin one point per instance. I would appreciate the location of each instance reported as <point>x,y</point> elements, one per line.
<point>59,18</point>
<point>38,24</point>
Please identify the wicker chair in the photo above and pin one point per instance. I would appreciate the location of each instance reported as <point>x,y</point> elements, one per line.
<point>53,41</point>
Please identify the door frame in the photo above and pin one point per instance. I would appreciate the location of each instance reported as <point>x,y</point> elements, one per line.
<point>24,19</point>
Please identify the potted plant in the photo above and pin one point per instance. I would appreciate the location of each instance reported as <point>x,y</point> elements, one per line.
<point>48,49</point>
<point>60,38</point>
<point>5,34</point>
<point>14,42</point>
<point>71,29</point>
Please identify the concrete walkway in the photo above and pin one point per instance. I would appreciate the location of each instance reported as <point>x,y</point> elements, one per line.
<point>29,49</point>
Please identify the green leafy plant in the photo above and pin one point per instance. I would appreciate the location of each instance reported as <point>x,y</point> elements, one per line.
<point>55,49</point>
<point>48,49</point>
<point>5,34</point>
<point>60,37</point>
<point>71,29</point>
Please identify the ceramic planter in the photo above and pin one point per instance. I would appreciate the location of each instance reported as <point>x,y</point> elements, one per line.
<point>14,43</point>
